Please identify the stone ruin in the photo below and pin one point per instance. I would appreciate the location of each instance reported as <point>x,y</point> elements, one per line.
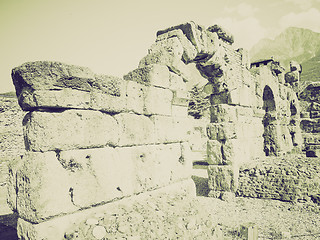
<point>92,140</point>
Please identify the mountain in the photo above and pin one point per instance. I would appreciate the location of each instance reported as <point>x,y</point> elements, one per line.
<point>311,69</point>
<point>294,43</point>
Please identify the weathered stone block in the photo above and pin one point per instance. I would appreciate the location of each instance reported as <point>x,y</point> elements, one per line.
<point>42,187</point>
<point>223,113</point>
<point>177,83</point>
<point>245,58</point>
<point>195,33</point>
<point>13,166</point>
<point>51,75</point>
<point>71,129</point>
<point>48,79</point>
<point>214,153</point>
<point>189,51</point>
<point>107,103</point>
<point>155,75</point>
<point>63,98</point>
<point>222,33</point>
<point>171,45</point>
<point>168,129</point>
<point>246,96</point>
<point>158,101</point>
<point>134,129</point>
<point>155,166</point>
<point>179,111</point>
<point>135,96</point>
<point>235,151</point>
<point>221,98</point>
<point>222,131</point>
<point>85,178</point>
<point>221,178</point>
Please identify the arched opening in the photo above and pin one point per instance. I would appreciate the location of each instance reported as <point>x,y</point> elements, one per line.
<point>269,123</point>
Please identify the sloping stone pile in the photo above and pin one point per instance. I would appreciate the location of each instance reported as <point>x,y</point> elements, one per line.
<point>294,179</point>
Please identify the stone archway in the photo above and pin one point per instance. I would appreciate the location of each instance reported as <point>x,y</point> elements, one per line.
<point>269,122</point>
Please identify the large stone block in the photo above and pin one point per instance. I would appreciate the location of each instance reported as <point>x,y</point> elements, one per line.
<point>158,101</point>
<point>235,151</point>
<point>135,96</point>
<point>70,129</point>
<point>63,98</point>
<point>168,129</point>
<point>155,166</point>
<point>53,183</point>
<point>134,129</point>
<point>189,51</point>
<point>51,75</point>
<point>107,103</point>
<point>222,33</point>
<point>74,99</point>
<point>214,153</point>
<point>177,83</point>
<point>223,131</point>
<point>221,178</point>
<point>155,75</point>
<point>13,166</point>
<point>196,35</point>
<point>223,113</point>
<point>40,84</point>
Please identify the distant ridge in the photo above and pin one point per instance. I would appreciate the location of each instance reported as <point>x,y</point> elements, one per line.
<point>294,43</point>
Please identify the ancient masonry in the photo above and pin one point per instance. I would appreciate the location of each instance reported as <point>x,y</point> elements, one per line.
<point>94,139</point>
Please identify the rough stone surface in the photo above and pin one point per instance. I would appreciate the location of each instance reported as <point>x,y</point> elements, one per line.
<point>156,75</point>
<point>158,101</point>
<point>222,33</point>
<point>45,131</point>
<point>189,51</point>
<point>134,129</point>
<point>55,76</point>
<point>168,130</point>
<point>294,179</point>
<point>221,178</point>
<point>141,207</point>
<point>214,152</point>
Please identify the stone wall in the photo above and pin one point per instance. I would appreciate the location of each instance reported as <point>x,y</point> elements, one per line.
<point>291,179</point>
<point>254,113</point>
<point>94,139</point>
<point>310,99</point>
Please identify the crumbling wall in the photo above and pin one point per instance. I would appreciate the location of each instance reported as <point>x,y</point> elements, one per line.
<point>93,139</point>
<point>293,179</point>
<point>310,99</point>
<point>254,113</point>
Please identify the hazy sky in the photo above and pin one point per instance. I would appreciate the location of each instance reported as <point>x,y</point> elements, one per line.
<point>111,37</point>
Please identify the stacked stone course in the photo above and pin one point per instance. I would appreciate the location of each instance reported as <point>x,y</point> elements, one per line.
<point>94,139</point>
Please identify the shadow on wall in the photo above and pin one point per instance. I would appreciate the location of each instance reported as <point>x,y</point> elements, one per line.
<point>202,188</point>
<point>8,225</point>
